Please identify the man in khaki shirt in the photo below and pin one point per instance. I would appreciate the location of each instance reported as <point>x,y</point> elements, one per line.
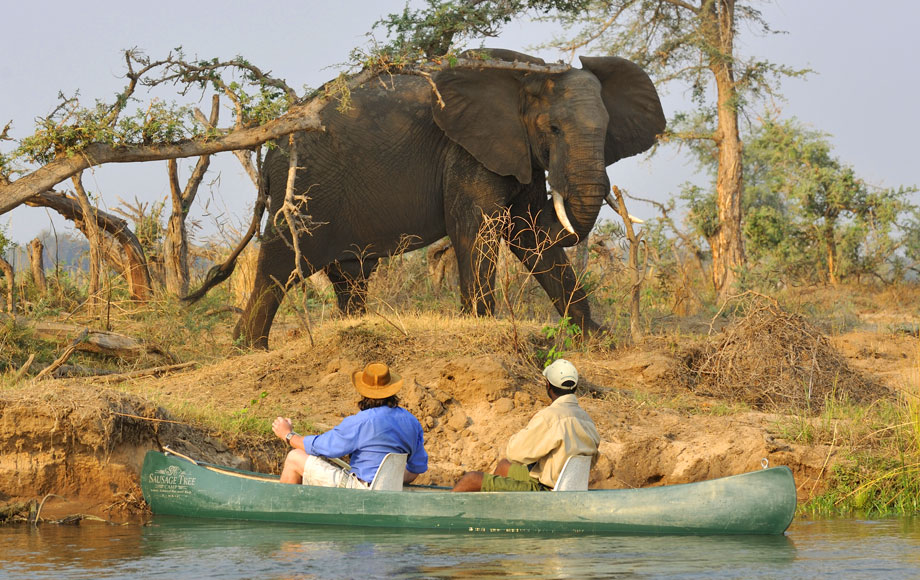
<point>537,453</point>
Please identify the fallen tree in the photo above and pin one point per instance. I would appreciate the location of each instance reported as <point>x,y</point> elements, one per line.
<point>135,271</point>
<point>96,341</point>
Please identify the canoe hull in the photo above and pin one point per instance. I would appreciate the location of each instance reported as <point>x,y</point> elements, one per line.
<point>760,502</point>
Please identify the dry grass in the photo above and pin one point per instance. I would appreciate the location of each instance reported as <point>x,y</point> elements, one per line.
<point>772,359</point>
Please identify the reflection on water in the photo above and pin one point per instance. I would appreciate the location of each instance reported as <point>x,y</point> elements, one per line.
<point>185,548</point>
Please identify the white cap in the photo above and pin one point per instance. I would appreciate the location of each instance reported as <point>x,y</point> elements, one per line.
<point>561,372</point>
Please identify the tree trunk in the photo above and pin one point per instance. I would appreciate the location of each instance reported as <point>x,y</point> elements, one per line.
<point>175,244</point>
<point>7,270</point>
<point>94,237</point>
<point>830,243</point>
<point>727,243</point>
<point>638,272</point>
<point>175,249</point>
<point>136,272</point>
<point>95,341</point>
<point>37,263</point>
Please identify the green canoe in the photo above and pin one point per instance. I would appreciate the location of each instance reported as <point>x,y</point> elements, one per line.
<point>759,502</point>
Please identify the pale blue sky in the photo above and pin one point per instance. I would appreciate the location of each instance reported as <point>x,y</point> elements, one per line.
<point>863,93</point>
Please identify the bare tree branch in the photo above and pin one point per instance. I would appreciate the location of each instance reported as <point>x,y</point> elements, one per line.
<point>136,272</point>
<point>300,117</point>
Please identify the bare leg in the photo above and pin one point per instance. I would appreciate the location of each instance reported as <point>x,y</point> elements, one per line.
<point>293,466</point>
<point>502,468</point>
<point>471,481</point>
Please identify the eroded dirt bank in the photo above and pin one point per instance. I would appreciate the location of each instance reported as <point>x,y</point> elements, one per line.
<point>466,382</point>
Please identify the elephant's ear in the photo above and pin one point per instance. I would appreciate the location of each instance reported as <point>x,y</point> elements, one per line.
<point>482,113</point>
<point>632,102</point>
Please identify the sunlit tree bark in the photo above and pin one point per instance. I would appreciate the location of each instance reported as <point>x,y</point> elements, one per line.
<point>37,264</point>
<point>94,237</point>
<point>175,242</point>
<point>135,269</point>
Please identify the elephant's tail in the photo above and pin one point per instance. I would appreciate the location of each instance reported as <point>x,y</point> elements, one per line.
<point>215,276</point>
<point>221,272</point>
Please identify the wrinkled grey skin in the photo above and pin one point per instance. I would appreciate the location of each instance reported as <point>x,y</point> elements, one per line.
<point>397,164</point>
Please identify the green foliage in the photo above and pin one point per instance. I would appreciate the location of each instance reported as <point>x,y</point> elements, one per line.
<point>244,419</point>
<point>5,242</point>
<point>872,486</point>
<point>71,127</point>
<point>563,336</point>
<point>703,212</point>
<point>676,41</point>
<point>805,208</point>
<point>433,31</point>
<point>17,344</point>
<point>911,242</point>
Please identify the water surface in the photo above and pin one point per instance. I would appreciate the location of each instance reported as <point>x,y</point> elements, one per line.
<point>172,547</point>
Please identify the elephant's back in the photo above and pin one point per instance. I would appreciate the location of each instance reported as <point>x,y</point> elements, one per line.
<point>382,155</point>
<point>385,114</point>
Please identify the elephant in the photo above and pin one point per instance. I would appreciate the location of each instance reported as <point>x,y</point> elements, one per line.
<point>404,165</point>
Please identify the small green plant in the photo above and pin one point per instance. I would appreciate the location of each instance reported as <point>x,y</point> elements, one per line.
<point>245,418</point>
<point>563,335</point>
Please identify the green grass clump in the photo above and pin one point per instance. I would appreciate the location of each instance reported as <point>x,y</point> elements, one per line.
<point>871,486</point>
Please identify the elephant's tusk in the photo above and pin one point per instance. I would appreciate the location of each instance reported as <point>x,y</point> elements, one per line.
<point>613,205</point>
<point>560,213</point>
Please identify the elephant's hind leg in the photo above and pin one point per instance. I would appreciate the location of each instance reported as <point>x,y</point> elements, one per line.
<point>349,280</point>
<point>275,265</point>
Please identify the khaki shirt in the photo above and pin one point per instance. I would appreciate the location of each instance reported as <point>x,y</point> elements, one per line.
<point>555,433</point>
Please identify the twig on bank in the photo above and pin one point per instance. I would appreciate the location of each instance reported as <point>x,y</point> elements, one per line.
<point>38,513</point>
<point>141,373</point>
<point>222,309</point>
<point>68,352</point>
<point>393,324</point>
<point>151,419</point>
<point>167,449</point>
<point>24,368</point>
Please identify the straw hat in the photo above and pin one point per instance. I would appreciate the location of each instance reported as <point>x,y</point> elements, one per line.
<point>376,381</point>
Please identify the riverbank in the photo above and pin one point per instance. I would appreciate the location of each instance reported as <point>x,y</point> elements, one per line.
<point>473,383</point>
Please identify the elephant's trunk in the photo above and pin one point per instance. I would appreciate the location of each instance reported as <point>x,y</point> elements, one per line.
<point>577,208</point>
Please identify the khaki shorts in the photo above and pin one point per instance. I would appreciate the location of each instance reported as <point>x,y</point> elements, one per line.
<point>518,479</point>
<point>318,471</point>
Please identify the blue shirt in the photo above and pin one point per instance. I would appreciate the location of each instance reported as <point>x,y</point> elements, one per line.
<point>368,436</point>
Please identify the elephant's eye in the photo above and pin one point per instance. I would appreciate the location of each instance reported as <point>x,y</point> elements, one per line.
<point>555,130</point>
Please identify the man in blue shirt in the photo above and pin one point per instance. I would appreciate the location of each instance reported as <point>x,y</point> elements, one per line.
<point>381,427</point>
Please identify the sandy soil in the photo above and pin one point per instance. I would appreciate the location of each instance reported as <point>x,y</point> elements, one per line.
<point>466,380</point>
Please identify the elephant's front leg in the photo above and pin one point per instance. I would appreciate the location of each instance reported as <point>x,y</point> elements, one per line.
<point>349,280</point>
<point>475,219</point>
<point>477,258</point>
<point>549,264</point>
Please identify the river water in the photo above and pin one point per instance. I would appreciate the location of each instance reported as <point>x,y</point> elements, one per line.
<point>181,548</point>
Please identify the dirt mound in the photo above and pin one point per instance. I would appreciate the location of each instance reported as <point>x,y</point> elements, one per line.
<point>86,447</point>
<point>775,360</point>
